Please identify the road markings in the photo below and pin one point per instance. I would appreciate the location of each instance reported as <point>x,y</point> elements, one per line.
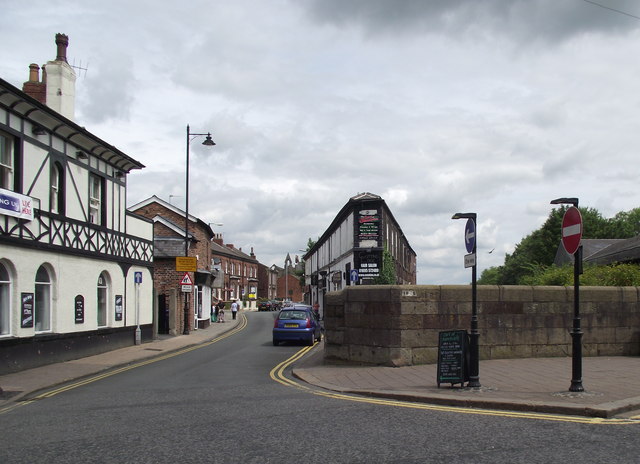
<point>104,375</point>
<point>277,374</point>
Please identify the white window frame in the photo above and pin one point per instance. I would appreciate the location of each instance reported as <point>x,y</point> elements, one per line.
<point>95,202</point>
<point>102,305</point>
<point>5,301</point>
<point>42,302</point>
<point>7,180</point>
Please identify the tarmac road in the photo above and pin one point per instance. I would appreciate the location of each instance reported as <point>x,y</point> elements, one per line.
<point>220,403</point>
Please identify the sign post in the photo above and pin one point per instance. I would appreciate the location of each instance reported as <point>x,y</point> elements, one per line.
<point>470,261</point>
<point>571,236</point>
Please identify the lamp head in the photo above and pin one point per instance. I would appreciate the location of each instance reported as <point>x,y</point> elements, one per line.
<point>565,201</point>
<point>208,141</point>
<point>464,216</point>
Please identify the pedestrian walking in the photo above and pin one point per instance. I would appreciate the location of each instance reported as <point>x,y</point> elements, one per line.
<point>234,309</point>
<point>220,311</point>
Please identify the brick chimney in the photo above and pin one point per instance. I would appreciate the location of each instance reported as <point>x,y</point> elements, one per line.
<point>33,87</point>
<point>57,89</point>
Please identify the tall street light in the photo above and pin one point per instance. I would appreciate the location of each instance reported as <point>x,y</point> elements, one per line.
<point>471,243</point>
<point>571,236</point>
<point>207,142</point>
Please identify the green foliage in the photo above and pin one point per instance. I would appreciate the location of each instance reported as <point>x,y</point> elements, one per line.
<point>536,252</point>
<point>614,275</point>
<point>388,272</point>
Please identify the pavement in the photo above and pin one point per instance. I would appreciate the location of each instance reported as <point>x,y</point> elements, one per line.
<point>612,384</point>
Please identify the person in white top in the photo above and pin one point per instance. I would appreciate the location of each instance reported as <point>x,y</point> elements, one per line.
<point>234,309</point>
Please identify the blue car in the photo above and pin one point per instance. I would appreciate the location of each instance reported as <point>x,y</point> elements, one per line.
<point>296,323</point>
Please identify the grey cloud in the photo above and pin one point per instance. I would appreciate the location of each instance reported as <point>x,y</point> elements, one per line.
<point>526,20</point>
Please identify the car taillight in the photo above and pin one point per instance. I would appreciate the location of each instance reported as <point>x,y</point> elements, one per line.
<point>275,323</point>
<point>308,323</point>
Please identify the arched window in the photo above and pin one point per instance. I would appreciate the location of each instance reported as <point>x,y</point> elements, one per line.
<point>56,199</point>
<point>42,303</point>
<point>103,294</point>
<point>5,301</point>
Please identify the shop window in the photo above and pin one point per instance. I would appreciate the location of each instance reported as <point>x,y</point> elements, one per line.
<point>103,293</point>
<point>5,301</point>
<point>42,303</point>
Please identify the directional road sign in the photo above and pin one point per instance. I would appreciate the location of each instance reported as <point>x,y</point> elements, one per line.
<point>354,275</point>
<point>571,230</point>
<point>470,235</point>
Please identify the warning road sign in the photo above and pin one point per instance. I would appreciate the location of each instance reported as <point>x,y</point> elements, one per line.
<point>186,279</point>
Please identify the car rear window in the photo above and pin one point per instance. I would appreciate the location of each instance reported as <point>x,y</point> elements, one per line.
<point>292,314</point>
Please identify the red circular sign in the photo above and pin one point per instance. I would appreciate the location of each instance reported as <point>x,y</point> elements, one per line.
<point>571,230</point>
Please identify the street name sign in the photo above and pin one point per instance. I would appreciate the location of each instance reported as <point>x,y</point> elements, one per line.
<point>571,230</point>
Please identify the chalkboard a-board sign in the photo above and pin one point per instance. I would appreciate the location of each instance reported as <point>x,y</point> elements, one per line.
<point>453,357</point>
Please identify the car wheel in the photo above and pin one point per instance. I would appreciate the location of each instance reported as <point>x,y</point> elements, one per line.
<point>312,339</point>
<point>275,342</point>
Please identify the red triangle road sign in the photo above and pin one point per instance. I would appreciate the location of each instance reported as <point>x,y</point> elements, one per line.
<point>186,279</point>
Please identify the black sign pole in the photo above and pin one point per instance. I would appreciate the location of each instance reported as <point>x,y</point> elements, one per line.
<point>576,333</point>
<point>474,364</point>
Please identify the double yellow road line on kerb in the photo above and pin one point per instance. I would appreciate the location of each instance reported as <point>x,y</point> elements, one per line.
<point>277,374</point>
<point>104,375</point>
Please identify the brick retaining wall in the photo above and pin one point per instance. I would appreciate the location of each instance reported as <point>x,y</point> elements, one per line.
<point>399,325</point>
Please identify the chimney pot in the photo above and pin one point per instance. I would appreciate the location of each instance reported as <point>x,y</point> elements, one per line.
<point>62,42</point>
<point>34,73</point>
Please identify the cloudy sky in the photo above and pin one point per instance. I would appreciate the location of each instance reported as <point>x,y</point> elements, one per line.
<point>494,107</point>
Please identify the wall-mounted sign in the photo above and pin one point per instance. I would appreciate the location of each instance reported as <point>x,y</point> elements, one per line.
<point>368,224</point>
<point>26,319</point>
<point>118,307</point>
<point>137,277</point>
<point>186,263</point>
<point>16,205</point>
<point>368,264</point>
<point>79,309</point>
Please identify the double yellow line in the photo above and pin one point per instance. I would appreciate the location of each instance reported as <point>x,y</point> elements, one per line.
<point>94,378</point>
<point>277,374</point>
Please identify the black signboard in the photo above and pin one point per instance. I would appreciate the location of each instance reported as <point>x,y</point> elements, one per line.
<point>368,225</point>
<point>453,357</point>
<point>26,319</point>
<point>79,309</point>
<point>118,307</point>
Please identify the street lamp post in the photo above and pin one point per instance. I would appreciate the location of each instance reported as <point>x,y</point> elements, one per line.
<point>207,142</point>
<point>576,332</point>
<point>474,354</point>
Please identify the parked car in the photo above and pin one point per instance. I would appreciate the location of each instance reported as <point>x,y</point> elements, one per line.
<point>296,323</point>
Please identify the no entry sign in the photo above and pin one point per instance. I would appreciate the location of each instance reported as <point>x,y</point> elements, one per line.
<point>571,230</point>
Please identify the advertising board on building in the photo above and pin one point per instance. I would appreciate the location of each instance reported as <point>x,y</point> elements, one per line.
<point>368,264</point>
<point>26,310</point>
<point>118,307</point>
<point>16,205</point>
<point>79,309</point>
<point>368,231</point>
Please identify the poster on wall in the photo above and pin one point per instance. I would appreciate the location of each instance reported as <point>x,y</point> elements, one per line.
<point>79,305</point>
<point>26,319</point>
<point>118,307</point>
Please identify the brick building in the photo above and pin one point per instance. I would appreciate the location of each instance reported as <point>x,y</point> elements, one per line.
<point>238,270</point>
<point>174,307</point>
